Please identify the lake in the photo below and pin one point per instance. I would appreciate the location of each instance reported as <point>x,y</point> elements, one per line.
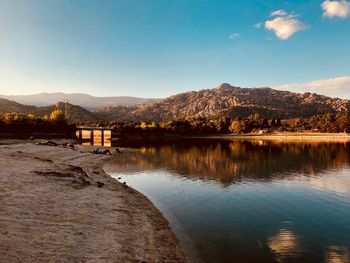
<point>248,201</point>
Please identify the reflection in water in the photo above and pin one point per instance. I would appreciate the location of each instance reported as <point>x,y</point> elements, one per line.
<point>284,244</point>
<point>338,255</point>
<point>249,201</point>
<point>231,161</point>
<point>337,184</point>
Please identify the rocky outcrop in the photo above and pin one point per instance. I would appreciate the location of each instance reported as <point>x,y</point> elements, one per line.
<point>225,100</point>
<point>235,102</point>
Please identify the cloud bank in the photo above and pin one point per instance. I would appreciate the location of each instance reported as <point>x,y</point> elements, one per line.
<point>339,9</point>
<point>284,25</point>
<point>334,87</point>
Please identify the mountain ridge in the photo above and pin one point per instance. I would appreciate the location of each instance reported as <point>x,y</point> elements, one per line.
<point>87,101</point>
<point>74,113</point>
<point>224,100</point>
<point>231,101</point>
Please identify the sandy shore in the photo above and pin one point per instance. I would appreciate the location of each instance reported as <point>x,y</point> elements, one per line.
<point>58,205</point>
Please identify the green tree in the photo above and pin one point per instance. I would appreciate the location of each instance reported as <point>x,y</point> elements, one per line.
<point>57,115</point>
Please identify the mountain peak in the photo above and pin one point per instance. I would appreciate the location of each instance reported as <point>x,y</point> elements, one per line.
<point>224,86</point>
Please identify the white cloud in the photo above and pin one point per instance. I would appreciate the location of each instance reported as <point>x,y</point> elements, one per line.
<point>234,35</point>
<point>284,25</point>
<point>278,13</point>
<point>258,25</point>
<point>334,87</point>
<point>336,8</point>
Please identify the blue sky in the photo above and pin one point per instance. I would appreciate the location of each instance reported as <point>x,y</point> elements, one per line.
<point>156,48</point>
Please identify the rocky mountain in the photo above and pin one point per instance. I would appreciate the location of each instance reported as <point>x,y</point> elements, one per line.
<point>87,101</point>
<point>227,100</point>
<point>120,113</point>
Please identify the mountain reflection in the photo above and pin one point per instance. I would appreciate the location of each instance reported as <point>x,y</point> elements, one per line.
<point>228,161</point>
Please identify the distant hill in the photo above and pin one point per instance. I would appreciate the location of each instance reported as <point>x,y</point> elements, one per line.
<point>87,101</point>
<point>74,113</point>
<point>227,100</point>
<point>7,106</point>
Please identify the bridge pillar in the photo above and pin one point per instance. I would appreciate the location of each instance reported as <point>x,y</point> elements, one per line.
<point>92,137</point>
<point>102,137</point>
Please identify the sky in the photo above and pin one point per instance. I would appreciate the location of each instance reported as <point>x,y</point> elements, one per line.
<point>157,48</point>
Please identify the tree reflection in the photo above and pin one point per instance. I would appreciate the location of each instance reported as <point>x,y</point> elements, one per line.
<point>228,161</point>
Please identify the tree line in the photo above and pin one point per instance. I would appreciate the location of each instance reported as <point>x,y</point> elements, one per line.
<point>28,124</point>
<point>255,123</point>
<point>56,123</point>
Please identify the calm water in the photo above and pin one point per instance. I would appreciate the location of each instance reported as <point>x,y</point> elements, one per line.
<point>249,201</point>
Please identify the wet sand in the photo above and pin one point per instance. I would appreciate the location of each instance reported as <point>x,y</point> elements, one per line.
<point>58,205</point>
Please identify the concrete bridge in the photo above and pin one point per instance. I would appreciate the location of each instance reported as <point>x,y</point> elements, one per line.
<point>94,135</point>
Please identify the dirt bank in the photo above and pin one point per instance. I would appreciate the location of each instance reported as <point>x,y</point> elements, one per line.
<point>57,205</point>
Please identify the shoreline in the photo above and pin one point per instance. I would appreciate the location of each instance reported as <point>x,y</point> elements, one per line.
<point>184,240</point>
<point>58,205</point>
<point>292,136</point>
<point>265,136</point>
